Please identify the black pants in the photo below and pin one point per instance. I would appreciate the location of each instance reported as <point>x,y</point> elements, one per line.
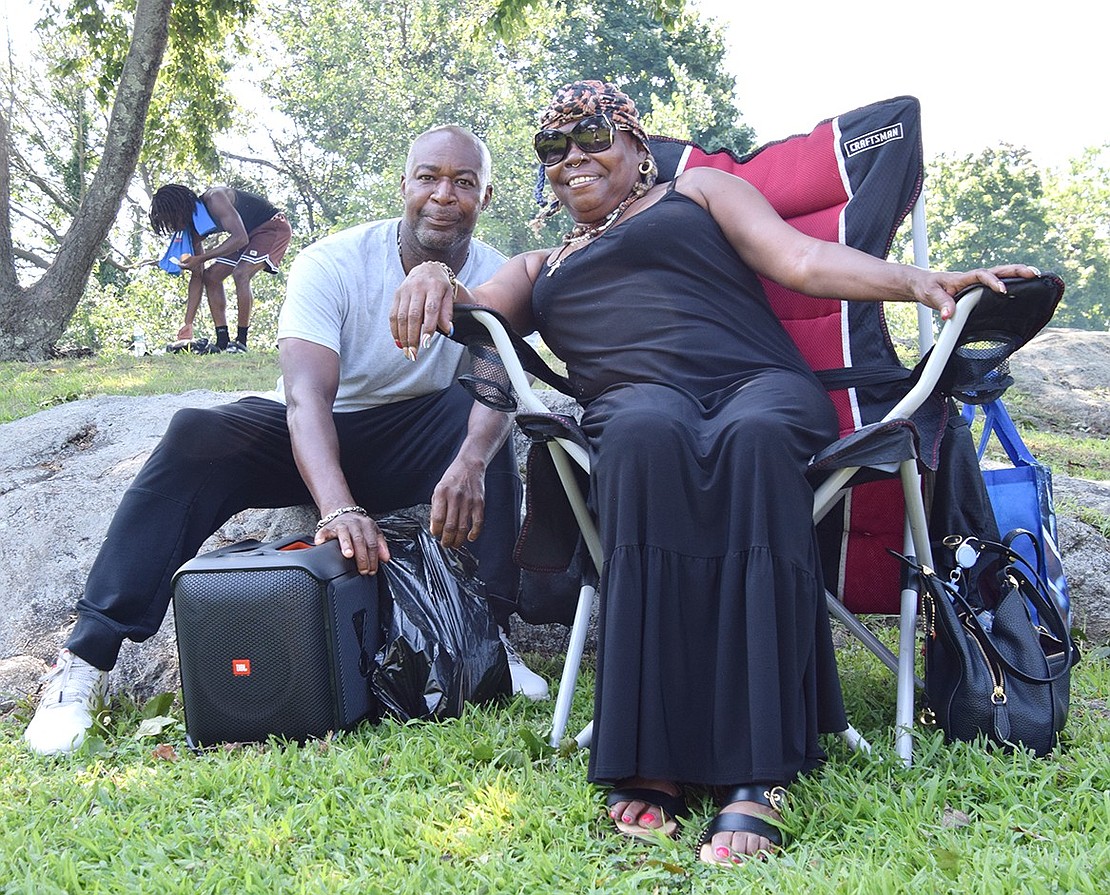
<point>213,463</point>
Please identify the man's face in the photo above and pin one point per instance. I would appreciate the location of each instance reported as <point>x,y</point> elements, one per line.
<point>444,190</point>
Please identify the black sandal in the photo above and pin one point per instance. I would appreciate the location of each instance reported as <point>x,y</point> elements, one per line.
<point>672,808</point>
<point>774,797</point>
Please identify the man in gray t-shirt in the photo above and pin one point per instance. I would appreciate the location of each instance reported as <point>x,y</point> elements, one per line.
<point>356,427</point>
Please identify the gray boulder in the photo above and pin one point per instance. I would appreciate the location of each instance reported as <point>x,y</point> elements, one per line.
<point>62,474</point>
<point>1063,380</point>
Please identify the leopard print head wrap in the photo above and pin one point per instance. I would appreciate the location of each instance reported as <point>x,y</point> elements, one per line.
<point>582,99</point>
<point>578,100</point>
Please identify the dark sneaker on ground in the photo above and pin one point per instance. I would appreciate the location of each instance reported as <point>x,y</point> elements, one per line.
<point>236,348</point>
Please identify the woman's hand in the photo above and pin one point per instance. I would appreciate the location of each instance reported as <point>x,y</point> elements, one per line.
<point>936,289</point>
<point>422,304</point>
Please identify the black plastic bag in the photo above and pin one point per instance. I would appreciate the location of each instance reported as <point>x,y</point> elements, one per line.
<point>441,647</point>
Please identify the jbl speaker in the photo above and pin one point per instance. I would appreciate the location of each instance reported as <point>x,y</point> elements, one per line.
<point>274,639</point>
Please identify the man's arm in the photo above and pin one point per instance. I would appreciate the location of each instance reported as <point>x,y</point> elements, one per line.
<point>458,501</point>
<point>194,293</point>
<point>311,378</point>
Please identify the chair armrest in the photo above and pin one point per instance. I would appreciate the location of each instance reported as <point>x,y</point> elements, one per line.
<point>502,364</point>
<point>970,360</point>
<point>881,446</point>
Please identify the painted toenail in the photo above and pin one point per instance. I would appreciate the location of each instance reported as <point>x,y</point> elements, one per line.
<point>647,818</point>
<point>626,819</point>
<point>723,852</point>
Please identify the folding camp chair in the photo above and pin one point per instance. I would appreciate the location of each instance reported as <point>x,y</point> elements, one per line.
<point>854,178</point>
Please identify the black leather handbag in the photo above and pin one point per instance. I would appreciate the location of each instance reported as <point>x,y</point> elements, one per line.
<point>998,655</point>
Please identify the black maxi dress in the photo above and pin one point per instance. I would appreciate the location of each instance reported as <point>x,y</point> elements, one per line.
<point>715,662</point>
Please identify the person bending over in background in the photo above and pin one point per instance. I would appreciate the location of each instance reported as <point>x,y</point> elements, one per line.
<point>257,236</point>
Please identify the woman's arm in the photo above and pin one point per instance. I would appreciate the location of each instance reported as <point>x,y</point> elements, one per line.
<point>778,251</point>
<point>425,300</point>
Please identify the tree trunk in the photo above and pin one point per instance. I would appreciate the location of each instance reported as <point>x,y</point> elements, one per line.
<point>32,318</point>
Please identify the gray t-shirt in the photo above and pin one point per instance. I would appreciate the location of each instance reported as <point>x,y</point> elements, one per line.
<point>339,294</point>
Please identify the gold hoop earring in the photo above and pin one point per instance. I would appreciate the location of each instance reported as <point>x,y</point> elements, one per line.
<point>646,167</point>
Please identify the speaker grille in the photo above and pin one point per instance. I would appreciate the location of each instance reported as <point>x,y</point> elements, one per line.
<point>275,621</point>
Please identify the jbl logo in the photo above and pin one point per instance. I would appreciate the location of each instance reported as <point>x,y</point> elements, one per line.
<point>240,667</point>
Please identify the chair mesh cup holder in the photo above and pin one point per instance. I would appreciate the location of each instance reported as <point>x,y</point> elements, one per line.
<point>981,367</point>
<point>488,382</point>
<point>978,369</point>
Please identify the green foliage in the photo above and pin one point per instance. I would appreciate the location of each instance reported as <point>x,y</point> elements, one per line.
<point>364,77</point>
<point>987,209</point>
<point>109,312</point>
<point>1080,225</point>
<point>61,90</point>
<point>191,104</point>
<point>662,68</point>
<point>512,19</point>
<point>998,207</point>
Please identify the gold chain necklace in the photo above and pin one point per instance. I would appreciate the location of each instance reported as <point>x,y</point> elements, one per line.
<point>401,253</point>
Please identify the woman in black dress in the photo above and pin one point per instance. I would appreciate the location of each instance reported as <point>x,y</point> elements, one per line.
<point>715,665</point>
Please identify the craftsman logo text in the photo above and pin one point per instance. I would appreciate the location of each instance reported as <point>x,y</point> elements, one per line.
<point>873,140</point>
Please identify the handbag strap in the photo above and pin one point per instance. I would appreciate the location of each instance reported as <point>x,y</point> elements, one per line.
<point>1032,589</point>
<point>984,636</point>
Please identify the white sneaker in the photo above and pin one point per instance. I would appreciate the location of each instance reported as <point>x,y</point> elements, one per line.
<point>525,680</point>
<point>74,690</point>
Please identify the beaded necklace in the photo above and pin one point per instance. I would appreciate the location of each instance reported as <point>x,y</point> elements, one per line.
<point>582,233</point>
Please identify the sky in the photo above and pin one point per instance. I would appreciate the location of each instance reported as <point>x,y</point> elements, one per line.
<point>1032,74</point>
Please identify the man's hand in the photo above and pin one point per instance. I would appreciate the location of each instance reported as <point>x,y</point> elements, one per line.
<point>185,333</point>
<point>423,303</point>
<point>359,537</point>
<point>459,503</point>
<point>192,263</point>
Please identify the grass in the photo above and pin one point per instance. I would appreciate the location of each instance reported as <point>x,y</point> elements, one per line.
<point>31,387</point>
<point>476,805</point>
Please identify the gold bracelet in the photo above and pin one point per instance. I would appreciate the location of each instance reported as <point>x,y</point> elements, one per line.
<point>452,280</point>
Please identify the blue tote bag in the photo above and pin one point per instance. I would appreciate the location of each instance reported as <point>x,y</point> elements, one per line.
<point>1021,497</point>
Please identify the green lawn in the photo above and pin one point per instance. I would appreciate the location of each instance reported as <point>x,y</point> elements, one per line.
<point>476,806</point>
<point>31,387</point>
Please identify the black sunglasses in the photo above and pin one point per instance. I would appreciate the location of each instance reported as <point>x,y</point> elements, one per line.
<point>593,134</point>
